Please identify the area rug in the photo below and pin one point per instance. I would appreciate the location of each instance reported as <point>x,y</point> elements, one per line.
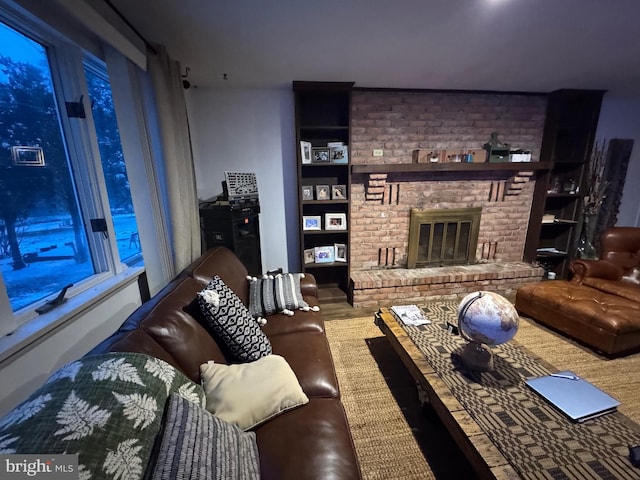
<point>384,441</point>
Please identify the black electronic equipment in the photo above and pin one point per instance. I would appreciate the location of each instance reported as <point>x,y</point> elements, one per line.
<point>232,220</point>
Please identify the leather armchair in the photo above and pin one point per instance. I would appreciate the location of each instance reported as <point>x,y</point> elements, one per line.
<point>619,259</point>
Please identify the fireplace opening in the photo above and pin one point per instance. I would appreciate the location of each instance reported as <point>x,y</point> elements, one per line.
<point>443,237</point>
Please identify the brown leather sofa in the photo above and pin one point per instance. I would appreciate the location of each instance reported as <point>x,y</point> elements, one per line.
<point>309,442</point>
<point>600,306</point>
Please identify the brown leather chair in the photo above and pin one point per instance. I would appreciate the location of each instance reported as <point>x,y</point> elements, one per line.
<point>600,306</point>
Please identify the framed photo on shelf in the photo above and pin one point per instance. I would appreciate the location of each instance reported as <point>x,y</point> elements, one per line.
<point>338,192</point>
<point>307,192</point>
<point>324,254</point>
<point>311,222</point>
<point>322,192</point>
<point>320,155</point>
<point>339,154</point>
<point>309,256</point>
<point>335,221</point>
<point>340,252</point>
<point>305,152</point>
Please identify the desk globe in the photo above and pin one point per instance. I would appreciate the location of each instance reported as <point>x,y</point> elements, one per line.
<point>485,319</point>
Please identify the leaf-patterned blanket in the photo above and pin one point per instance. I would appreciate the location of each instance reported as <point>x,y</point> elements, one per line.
<point>106,408</point>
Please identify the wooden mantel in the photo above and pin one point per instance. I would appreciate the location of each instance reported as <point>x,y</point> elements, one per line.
<point>450,167</point>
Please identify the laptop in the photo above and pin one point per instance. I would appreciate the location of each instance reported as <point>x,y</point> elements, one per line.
<point>573,396</point>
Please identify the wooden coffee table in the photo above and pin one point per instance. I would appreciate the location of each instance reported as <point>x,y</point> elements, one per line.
<point>477,447</point>
<point>504,429</point>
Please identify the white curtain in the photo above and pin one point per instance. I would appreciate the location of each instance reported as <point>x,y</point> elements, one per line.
<point>177,157</point>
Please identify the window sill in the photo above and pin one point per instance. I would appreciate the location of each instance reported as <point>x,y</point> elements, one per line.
<point>30,332</point>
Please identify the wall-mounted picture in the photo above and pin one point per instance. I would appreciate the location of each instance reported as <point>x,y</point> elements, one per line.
<point>307,192</point>
<point>309,256</point>
<point>323,192</point>
<point>324,254</point>
<point>339,154</point>
<point>311,222</point>
<point>305,152</point>
<point>340,252</point>
<point>320,155</point>
<point>27,156</point>
<point>338,192</point>
<point>335,221</point>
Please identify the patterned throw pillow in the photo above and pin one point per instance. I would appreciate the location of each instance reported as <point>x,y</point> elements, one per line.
<point>202,446</point>
<point>276,294</point>
<point>106,408</point>
<point>232,322</point>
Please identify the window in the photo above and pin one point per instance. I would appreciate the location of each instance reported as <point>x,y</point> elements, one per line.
<point>56,169</point>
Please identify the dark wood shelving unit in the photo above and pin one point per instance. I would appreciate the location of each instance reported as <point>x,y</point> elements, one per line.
<point>570,126</point>
<point>322,115</point>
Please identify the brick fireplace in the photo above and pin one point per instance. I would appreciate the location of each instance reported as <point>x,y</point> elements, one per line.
<point>381,203</point>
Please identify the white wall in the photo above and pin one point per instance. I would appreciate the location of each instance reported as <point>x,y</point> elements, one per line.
<point>25,371</point>
<point>620,118</point>
<point>251,131</point>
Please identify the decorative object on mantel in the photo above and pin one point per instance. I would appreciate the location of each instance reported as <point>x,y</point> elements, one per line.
<point>485,319</point>
<point>496,150</point>
<point>595,195</point>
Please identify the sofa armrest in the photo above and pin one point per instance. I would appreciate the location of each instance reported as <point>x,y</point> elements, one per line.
<point>594,268</point>
<point>309,286</point>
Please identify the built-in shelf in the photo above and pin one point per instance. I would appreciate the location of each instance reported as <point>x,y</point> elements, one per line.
<point>559,222</point>
<point>451,167</point>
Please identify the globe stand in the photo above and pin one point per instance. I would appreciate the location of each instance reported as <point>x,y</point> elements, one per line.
<point>477,356</point>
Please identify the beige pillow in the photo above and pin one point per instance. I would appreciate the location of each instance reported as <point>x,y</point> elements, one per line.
<point>249,394</point>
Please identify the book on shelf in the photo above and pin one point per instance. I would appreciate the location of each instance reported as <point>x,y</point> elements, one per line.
<point>548,218</point>
<point>410,315</point>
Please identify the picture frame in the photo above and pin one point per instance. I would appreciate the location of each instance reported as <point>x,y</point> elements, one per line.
<point>307,192</point>
<point>311,222</point>
<point>305,152</point>
<point>340,252</point>
<point>335,221</point>
<point>339,154</point>
<point>338,192</point>
<point>324,254</point>
<point>23,156</point>
<point>323,192</point>
<point>309,256</point>
<point>321,155</point>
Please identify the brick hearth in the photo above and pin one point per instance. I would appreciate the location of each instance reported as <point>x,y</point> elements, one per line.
<point>386,287</point>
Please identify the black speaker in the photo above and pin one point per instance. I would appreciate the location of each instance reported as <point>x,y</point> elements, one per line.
<point>237,229</point>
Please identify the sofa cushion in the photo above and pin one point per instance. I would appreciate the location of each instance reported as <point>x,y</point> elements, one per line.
<point>250,394</point>
<point>232,322</point>
<point>276,293</point>
<point>106,408</point>
<point>624,289</point>
<point>198,445</point>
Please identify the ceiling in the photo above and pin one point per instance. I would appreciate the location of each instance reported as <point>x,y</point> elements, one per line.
<point>507,45</point>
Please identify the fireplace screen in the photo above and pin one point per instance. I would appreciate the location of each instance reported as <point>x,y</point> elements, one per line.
<point>443,237</point>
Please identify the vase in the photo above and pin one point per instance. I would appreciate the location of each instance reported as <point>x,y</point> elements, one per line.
<point>585,248</point>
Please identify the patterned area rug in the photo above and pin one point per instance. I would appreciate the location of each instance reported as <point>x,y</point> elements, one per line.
<point>536,439</point>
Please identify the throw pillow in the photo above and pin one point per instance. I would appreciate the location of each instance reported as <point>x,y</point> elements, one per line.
<point>199,445</point>
<point>276,294</point>
<point>252,393</point>
<point>232,322</point>
<point>106,408</point>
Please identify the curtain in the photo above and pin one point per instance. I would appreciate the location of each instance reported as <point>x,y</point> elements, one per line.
<point>177,158</point>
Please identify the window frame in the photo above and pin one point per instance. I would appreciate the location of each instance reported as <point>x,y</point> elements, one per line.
<point>66,61</point>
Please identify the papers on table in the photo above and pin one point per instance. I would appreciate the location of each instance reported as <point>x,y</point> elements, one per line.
<point>410,315</point>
